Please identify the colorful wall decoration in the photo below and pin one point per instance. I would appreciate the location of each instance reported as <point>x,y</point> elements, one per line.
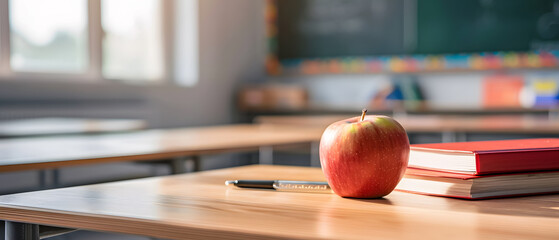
<point>398,64</point>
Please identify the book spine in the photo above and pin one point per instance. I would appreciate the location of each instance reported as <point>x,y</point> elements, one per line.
<point>478,164</point>
<point>508,162</point>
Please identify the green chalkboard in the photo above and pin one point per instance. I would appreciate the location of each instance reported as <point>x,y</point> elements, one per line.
<point>349,28</point>
<point>451,26</point>
<point>337,28</point>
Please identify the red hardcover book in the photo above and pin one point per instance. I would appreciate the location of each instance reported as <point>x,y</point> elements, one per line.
<point>468,186</point>
<point>488,157</point>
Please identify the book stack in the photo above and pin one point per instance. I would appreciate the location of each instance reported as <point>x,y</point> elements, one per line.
<point>484,169</point>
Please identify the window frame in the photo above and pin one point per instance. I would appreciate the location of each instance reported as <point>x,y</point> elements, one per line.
<point>94,71</point>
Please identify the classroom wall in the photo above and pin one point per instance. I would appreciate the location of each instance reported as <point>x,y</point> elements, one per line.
<point>230,54</point>
<point>231,51</point>
<point>448,91</point>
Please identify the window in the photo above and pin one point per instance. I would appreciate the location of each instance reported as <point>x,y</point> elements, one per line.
<point>101,40</point>
<point>48,39</point>
<point>132,43</point>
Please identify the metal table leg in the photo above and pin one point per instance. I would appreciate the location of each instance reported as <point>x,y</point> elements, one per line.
<point>315,155</point>
<point>461,137</point>
<point>21,231</point>
<point>29,231</point>
<point>2,230</point>
<point>56,178</point>
<point>177,165</point>
<point>197,163</point>
<point>266,155</point>
<point>448,136</point>
<point>43,182</point>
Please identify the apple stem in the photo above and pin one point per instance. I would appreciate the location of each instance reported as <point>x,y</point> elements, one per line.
<point>363,112</point>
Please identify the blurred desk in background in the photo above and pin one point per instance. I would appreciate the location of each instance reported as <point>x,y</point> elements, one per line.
<point>59,126</point>
<point>179,145</point>
<point>175,147</point>
<point>452,127</point>
<point>199,206</point>
<point>399,107</point>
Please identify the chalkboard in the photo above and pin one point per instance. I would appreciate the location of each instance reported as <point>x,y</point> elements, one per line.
<point>451,26</point>
<point>337,28</point>
<point>357,28</point>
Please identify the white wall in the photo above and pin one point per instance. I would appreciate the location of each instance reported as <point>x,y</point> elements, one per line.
<point>458,91</point>
<point>353,92</point>
<point>232,51</point>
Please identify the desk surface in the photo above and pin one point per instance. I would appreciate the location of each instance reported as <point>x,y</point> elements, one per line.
<point>58,151</point>
<point>199,206</point>
<point>439,123</point>
<point>51,152</point>
<point>58,126</point>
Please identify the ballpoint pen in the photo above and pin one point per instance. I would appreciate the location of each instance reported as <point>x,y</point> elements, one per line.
<point>283,185</point>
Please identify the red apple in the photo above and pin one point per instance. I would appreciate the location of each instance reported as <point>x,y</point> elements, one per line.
<point>364,157</point>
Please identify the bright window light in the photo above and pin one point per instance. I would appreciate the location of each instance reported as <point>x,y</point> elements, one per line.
<point>48,35</point>
<point>133,40</point>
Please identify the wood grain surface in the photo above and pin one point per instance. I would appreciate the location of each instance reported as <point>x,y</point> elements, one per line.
<point>200,206</point>
<point>59,151</point>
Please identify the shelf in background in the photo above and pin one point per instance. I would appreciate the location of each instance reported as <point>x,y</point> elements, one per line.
<point>323,110</point>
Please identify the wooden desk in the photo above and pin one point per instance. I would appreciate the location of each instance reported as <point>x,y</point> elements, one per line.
<point>54,152</point>
<point>448,125</point>
<point>437,123</point>
<point>58,126</point>
<point>199,206</point>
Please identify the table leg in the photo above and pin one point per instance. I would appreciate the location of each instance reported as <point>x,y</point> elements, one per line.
<point>43,183</point>
<point>266,155</point>
<point>315,155</point>
<point>177,165</point>
<point>55,178</point>
<point>25,231</point>
<point>461,137</point>
<point>448,137</point>
<point>2,230</point>
<point>197,163</point>
<point>21,231</point>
